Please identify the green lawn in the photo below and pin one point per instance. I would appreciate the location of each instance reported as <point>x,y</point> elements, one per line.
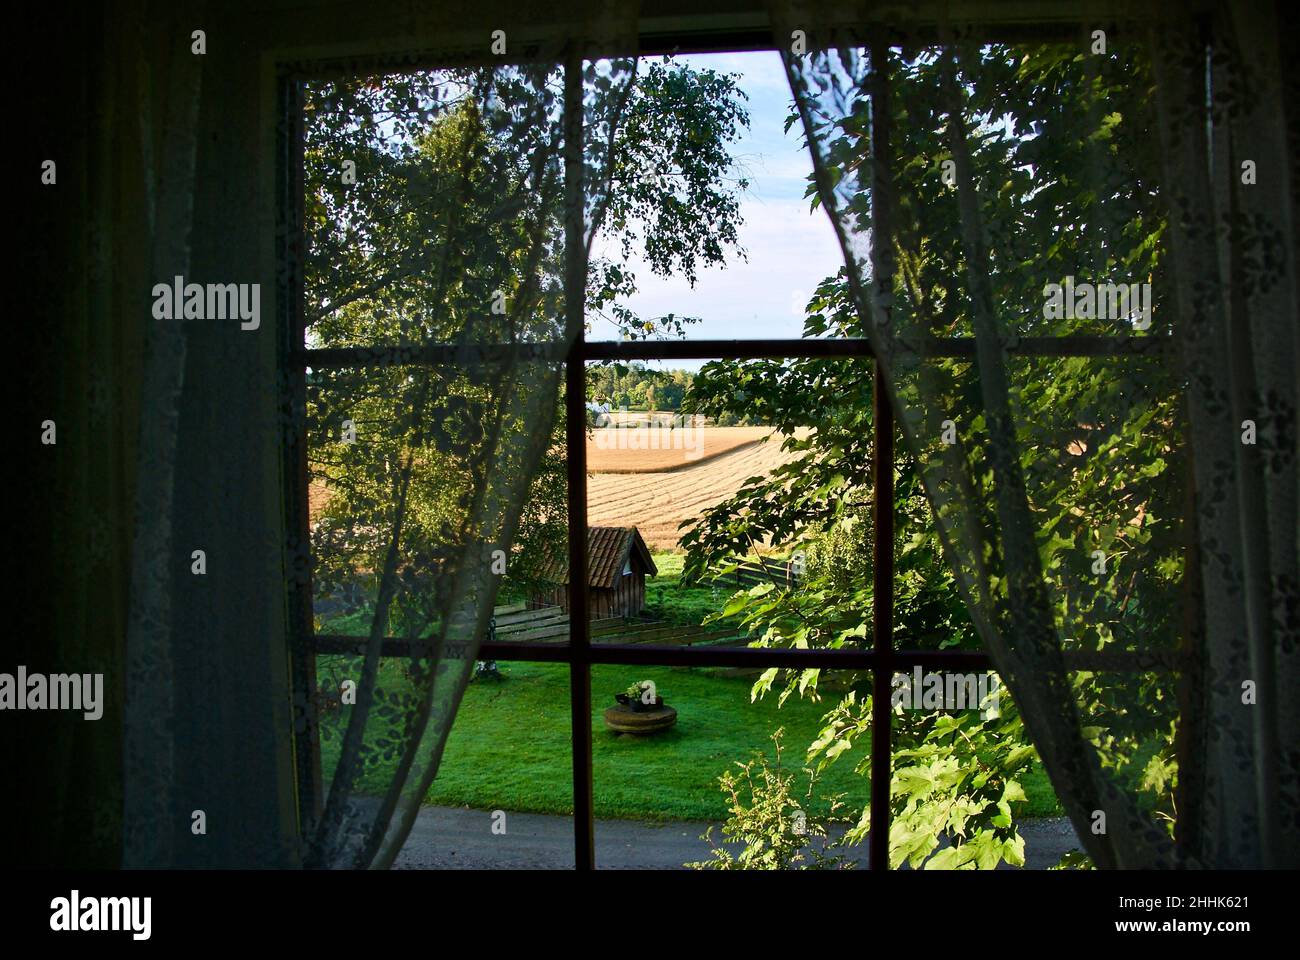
<point>509,748</point>
<point>666,599</point>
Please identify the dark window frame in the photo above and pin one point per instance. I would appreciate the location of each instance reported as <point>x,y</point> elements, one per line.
<point>881,659</point>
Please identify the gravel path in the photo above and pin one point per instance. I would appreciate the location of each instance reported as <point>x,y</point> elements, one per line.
<point>460,838</point>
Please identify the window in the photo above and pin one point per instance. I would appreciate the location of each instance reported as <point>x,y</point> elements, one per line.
<point>585,650</point>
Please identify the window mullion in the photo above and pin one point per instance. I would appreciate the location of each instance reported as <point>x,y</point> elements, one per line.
<point>575,395</point>
<point>882,600</point>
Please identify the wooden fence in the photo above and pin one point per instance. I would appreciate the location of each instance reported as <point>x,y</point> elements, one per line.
<point>551,625</point>
<point>751,573</point>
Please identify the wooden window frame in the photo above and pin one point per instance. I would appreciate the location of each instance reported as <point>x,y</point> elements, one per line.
<point>881,659</point>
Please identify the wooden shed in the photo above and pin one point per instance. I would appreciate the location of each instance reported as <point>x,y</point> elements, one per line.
<point>617,564</point>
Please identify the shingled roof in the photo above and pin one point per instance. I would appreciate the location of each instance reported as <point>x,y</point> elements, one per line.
<point>608,551</point>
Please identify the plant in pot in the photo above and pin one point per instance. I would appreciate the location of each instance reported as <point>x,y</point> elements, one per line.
<point>640,696</point>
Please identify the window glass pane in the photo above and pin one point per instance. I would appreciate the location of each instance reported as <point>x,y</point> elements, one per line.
<point>394,456</point>
<point>503,796</point>
<point>710,233</point>
<point>434,208</point>
<point>657,791</point>
<point>731,505</point>
<point>968,790</point>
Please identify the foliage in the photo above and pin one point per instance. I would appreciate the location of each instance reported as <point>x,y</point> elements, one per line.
<point>669,598</point>
<point>767,819</point>
<point>635,691</point>
<point>955,778</point>
<point>1079,421</point>
<point>673,195</point>
<point>1073,860</point>
<point>635,385</point>
<point>445,216</point>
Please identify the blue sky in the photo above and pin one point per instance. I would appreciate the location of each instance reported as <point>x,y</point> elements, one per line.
<point>789,249</point>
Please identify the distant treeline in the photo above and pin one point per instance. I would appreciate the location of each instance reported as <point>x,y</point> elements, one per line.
<point>636,387</point>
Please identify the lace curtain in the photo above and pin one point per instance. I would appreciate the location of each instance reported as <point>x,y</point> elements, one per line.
<point>168,89</point>
<point>1129,561</point>
<point>451,228</point>
<point>1230,182</point>
<point>454,245</point>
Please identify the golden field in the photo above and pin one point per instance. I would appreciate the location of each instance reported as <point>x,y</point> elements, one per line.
<point>660,449</point>
<point>656,502</point>
<point>653,489</point>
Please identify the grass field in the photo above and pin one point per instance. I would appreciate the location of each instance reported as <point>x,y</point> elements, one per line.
<point>509,748</point>
<point>668,600</point>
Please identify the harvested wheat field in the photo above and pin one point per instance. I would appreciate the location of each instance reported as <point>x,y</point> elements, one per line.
<point>655,490</point>
<point>659,449</point>
<point>655,503</point>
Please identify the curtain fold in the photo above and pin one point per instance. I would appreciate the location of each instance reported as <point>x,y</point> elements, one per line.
<point>1015,172</point>
<point>1228,178</point>
<point>167,87</point>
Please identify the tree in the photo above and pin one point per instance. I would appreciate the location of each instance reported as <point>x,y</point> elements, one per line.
<point>1097,164</point>
<point>437,213</point>
<point>675,196</point>
<point>420,223</point>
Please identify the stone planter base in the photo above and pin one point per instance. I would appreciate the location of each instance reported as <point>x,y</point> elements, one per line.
<point>623,719</point>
